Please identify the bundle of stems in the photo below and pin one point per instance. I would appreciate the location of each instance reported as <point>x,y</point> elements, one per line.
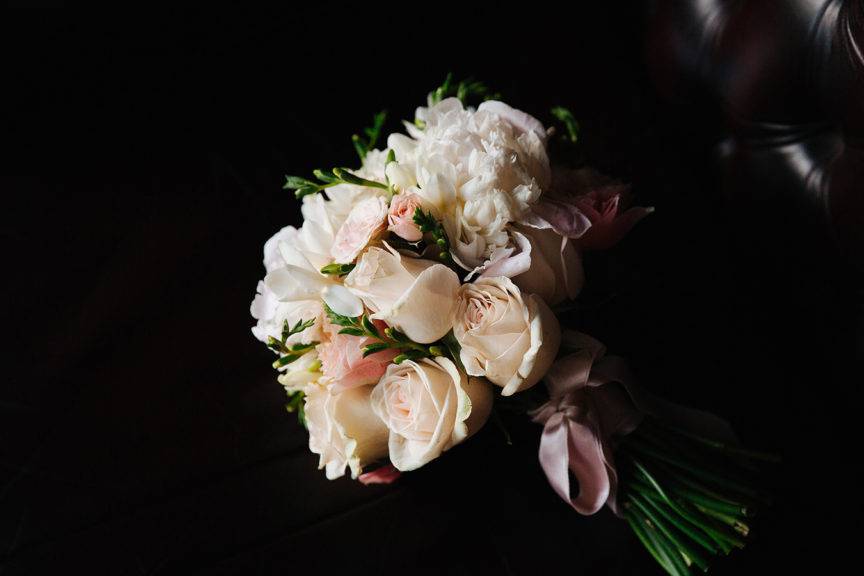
<point>688,498</point>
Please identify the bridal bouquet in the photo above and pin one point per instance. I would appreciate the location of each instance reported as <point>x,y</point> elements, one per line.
<point>419,291</point>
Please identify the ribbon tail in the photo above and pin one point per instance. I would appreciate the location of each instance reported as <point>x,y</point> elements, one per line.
<point>567,446</point>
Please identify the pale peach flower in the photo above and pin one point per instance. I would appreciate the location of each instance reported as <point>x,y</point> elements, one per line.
<point>400,219</point>
<point>366,220</point>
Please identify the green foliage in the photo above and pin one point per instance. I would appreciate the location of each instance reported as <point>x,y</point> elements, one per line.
<point>464,90</point>
<point>363,144</point>
<point>337,269</point>
<point>289,353</point>
<point>565,116</point>
<point>326,178</point>
<point>390,338</point>
<point>428,224</point>
<point>688,498</point>
<point>296,403</point>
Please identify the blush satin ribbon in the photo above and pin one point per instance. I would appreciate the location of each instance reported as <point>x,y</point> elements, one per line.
<point>593,402</point>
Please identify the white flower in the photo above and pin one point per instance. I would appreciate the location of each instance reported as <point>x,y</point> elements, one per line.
<point>366,220</point>
<point>267,308</point>
<point>480,170</point>
<point>509,339</point>
<point>428,407</point>
<point>300,375</point>
<point>343,429</point>
<point>414,295</point>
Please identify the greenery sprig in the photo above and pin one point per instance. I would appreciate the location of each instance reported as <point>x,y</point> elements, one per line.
<point>327,178</point>
<point>289,353</point>
<point>387,339</point>
<point>463,90</point>
<point>296,403</point>
<point>566,117</point>
<point>427,223</point>
<point>335,269</point>
<point>372,133</point>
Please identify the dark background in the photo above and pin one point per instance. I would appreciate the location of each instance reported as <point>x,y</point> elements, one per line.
<point>142,428</point>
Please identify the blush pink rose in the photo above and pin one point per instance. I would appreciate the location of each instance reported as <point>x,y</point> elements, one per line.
<point>608,225</point>
<point>383,475</point>
<point>585,205</point>
<point>342,361</point>
<point>366,220</point>
<point>400,219</point>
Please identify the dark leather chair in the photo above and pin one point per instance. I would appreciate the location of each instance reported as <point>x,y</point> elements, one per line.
<point>788,80</point>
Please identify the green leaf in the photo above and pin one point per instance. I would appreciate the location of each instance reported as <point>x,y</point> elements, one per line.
<point>345,175</point>
<point>427,223</point>
<point>351,331</point>
<point>285,360</point>
<point>337,269</point>
<point>565,116</point>
<point>294,182</point>
<point>396,335</point>
<point>339,319</point>
<point>454,349</point>
<point>300,326</point>
<point>326,176</point>
<point>302,348</point>
<point>370,327</point>
<point>373,348</point>
<point>363,145</point>
<point>465,90</point>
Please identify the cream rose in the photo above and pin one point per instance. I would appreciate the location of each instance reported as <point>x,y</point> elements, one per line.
<point>366,220</point>
<point>344,430</point>
<point>414,295</point>
<point>428,407</point>
<point>509,339</point>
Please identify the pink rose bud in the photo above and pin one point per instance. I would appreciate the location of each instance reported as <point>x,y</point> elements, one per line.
<point>383,475</point>
<point>401,216</point>
<point>342,361</point>
<point>608,225</point>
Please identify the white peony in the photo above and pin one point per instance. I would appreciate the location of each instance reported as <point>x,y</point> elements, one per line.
<point>480,170</point>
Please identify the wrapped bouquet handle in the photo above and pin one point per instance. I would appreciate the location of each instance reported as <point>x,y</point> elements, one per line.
<point>681,491</point>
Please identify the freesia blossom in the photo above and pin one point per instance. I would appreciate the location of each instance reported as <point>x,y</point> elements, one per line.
<point>299,375</point>
<point>267,308</point>
<point>414,295</point>
<point>509,339</point>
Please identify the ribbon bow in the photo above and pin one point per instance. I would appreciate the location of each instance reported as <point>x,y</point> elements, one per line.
<point>593,402</point>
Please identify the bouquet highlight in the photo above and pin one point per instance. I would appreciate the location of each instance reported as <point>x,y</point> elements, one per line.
<point>420,290</point>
